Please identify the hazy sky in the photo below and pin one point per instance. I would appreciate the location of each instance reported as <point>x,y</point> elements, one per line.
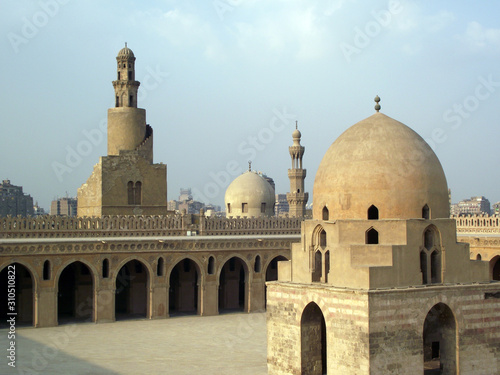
<point>223,82</point>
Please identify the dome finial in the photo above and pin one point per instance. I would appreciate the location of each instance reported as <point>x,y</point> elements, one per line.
<point>296,125</point>
<point>125,44</point>
<point>377,106</point>
<point>249,166</point>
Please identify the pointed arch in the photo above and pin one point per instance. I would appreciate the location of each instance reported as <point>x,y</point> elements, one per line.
<point>257,265</point>
<point>440,337</point>
<point>325,214</point>
<point>233,285</point>
<point>75,293</point>
<point>371,236</point>
<point>317,266</point>
<point>426,212</point>
<point>160,267</point>
<point>495,268</point>
<point>313,345</point>
<point>24,296</point>
<point>184,288</point>
<point>46,270</point>
<point>211,265</point>
<point>132,289</point>
<point>373,212</point>
<point>319,236</point>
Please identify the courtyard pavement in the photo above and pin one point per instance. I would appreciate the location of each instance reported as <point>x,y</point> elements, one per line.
<point>223,344</point>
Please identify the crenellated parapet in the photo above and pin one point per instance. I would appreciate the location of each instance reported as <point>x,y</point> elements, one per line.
<point>478,224</point>
<point>142,225</point>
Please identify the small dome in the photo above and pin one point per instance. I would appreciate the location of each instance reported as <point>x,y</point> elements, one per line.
<point>381,162</point>
<point>126,52</point>
<point>249,195</point>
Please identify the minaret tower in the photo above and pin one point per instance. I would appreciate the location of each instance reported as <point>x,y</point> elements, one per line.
<point>125,85</point>
<point>127,128</point>
<point>297,198</point>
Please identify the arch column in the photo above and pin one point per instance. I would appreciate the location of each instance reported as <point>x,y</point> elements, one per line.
<point>257,293</point>
<point>210,296</point>
<point>45,306</point>
<point>159,300</point>
<point>105,302</point>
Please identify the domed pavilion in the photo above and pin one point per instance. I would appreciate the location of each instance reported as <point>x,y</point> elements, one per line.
<point>379,283</point>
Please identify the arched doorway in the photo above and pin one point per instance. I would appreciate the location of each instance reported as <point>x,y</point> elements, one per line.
<point>131,299</point>
<point>272,273</point>
<point>18,276</point>
<point>313,341</point>
<point>495,268</point>
<point>75,294</point>
<point>183,292</point>
<point>440,341</point>
<point>233,285</point>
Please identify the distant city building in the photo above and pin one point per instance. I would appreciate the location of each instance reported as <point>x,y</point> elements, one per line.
<point>64,207</point>
<point>189,205</point>
<point>38,211</point>
<point>473,206</point>
<point>281,206</point>
<point>495,209</point>
<point>13,201</point>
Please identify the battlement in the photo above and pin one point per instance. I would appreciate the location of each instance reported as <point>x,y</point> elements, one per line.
<point>137,226</point>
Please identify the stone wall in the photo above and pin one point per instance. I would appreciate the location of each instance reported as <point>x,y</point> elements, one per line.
<point>382,331</point>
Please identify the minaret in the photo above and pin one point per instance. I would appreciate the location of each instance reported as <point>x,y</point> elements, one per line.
<point>297,198</point>
<point>125,85</point>
<point>126,123</point>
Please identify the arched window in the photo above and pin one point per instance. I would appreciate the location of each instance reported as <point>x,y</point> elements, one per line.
<point>435,267</point>
<point>134,192</point>
<point>46,270</point>
<point>211,265</point>
<point>160,267</point>
<point>478,257</point>
<point>257,265</point>
<point>318,267</point>
<point>263,208</point>
<point>105,268</point>
<point>429,239</point>
<point>229,208</point>
<point>430,256</point>
<point>426,212</point>
<point>327,265</point>
<point>373,213</point>
<point>138,192</point>
<point>130,192</point>
<point>371,237</point>
<point>322,238</point>
<point>325,213</point>
<point>423,267</point>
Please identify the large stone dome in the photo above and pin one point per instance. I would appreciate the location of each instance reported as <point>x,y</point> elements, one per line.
<point>249,195</point>
<point>381,162</point>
